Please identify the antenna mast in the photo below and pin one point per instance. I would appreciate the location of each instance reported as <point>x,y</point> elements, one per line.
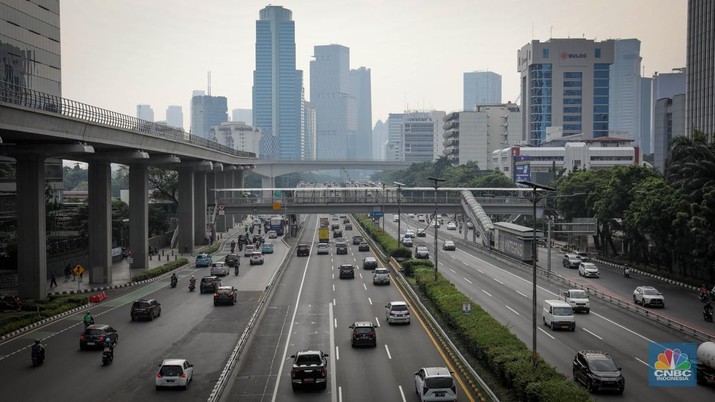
<point>209,79</point>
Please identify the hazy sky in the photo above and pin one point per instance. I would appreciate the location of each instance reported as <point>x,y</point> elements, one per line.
<point>117,54</point>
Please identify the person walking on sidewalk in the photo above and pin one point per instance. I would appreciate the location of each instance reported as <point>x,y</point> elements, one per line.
<point>53,279</point>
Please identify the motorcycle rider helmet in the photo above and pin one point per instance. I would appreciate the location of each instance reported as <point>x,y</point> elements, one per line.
<point>37,341</point>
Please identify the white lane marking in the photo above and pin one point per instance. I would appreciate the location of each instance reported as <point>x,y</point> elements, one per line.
<point>547,334</point>
<point>453,271</point>
<point>647,365</point>
<point>333,384</point>
<point>488,294</point>
<point>480,271</point>
<point>336,322</point>
<point>333,287</point>
<point>360,276</point>
<point>498,281</point>
<point>402,393</point>
<point>599,338</point>
<point>622,327</point>
<point>340,394</point>
<point>370,300</point>
<point>470,282</point>
<point>515,312</point>
<point>292,323</point>
<point>363,285</point>
<point>389,356</point>
<point>377,322</point>
<point>333,276</point>
<point>334,302</point>
<point>337,353</point>
<point>522,294</point>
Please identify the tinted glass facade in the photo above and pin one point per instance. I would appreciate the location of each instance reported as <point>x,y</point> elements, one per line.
<point>206,112</point>
<point>540,102</point>
<point>701,66</point>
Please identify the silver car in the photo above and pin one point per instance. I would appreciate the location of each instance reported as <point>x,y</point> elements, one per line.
<point>381,276</point>
<point>219,269</point>
<point>588,270</point>
<point>435,384</point>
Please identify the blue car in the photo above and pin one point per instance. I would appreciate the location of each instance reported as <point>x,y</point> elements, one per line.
<point>203,260</point>
<point>267,248</point>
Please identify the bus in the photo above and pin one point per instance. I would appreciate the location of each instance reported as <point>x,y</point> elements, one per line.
<point>278,223</point>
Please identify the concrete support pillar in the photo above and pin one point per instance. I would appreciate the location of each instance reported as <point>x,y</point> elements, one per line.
<point>138,216</point>
<point>199,207</point>
<point>210,186</point>
<point>186,210</point>
<point>100,222</point>
<point>31,236</point>
<point>221,183</point>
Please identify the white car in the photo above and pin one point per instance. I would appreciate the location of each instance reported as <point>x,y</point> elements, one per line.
<point>435,384</point>
<point>248,249</point>
<point>420,218</point>
<point>407,242</point>
<point>448,245</point>
<point>381,276</point>
<point>396,218</point>
<point>256,258</point>
<point>648,296</point>
<point>588,269</point>
<point>272,234</point>
<point>174,373</point>
<point>323,248</point>
<point>219,269</point>
<point>397,312</point>
<point>451,226</point>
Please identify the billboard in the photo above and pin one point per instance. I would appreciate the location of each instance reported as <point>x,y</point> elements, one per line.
<point>522,168</point>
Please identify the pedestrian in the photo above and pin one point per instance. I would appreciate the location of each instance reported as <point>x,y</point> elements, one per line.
<point>68,270</point>
<point>53,279</point>
<point>80,276</point>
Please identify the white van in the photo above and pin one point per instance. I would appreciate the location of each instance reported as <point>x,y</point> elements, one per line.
<point>558,314</point>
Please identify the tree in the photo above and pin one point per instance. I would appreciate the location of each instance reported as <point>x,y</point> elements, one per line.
<point>165,184</point>
<point>495,179</point>
<point>73,176</point>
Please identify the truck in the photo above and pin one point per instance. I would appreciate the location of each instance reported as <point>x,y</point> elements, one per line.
<point>577,298</point>
<point>310,367</point>
<point>324,230</point>
<point>706,364</point>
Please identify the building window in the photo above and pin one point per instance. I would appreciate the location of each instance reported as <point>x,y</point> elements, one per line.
<point>572,84</point>
<point>545,53</point>
<point>572,92</point>
<point>574,109</point>
<point>572,101</point>
<point>597,53</point>
<point>573,74</point>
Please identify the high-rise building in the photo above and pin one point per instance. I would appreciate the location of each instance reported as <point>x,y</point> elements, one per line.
<point>175,117</point>
<point>393,146</point>
<point>145,112</point>
<point>310,130</point>
<point>207,111</point>
<point>237,135</point>
<point>334,105</point>
<point>668,123</point>
<point>419,132</point>
<point>565,85</point>
<point>701,67</point>
<point>277,86</point>
<point>472,135</point>
<point>646,115</point>
<point>379,141</point>
<point>481,88</point>
<point>361,90</point>
<point>665,85</point>
<point>624,104</point>
<point>244,115</point>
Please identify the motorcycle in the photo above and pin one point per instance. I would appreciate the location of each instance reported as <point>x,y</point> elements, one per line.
<point>235,270</point>
<point>627,272</point>
<point>708,313</point>
<point>108,355</point>
<point>38,355</point>
<point>704,297</point>
<point>173,282</point>
<point>192,286</point>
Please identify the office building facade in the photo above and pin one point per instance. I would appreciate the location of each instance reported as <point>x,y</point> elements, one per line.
<point>565,84</point>
<point>277,86</point>
<point>310,131</point>
<point>379,140</point>
<point>624,104</point>
<point>237,135</point>
<point>145,112</point>
<point>393,146</point>
<point>668,123</point>
<point>244,115</point>
<point>700,67</point>
<point>207,111</point>
<point>646,104</point>
<point>175,117</point>
<point>481,88</point>
<point>420,130</point>
<point>361,90</point>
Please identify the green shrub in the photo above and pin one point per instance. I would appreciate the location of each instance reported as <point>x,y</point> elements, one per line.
<point>36,310</point>
<point>410,266</point>
<point>154,272</point>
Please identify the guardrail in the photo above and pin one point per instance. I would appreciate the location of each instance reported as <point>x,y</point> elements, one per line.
<point>20,96</point>
<point>623,304</point>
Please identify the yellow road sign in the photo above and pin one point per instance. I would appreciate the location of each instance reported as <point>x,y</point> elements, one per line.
<point>78,269</point>
<point>276,206</point>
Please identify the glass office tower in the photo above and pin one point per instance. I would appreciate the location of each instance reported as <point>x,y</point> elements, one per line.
<point>701,67</point>
<point>277,86</point>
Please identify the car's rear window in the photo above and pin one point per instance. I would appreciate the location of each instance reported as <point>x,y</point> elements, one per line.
<point>399,308</point>
<point>438,382</point>
<point>562,311</point>
<point>170,371</point>
<point>364,330</point>
<point>141,304</point>
<point>94,332</point>
<point>602,365</point>
<point>207,280</point>
<point>308,360</point>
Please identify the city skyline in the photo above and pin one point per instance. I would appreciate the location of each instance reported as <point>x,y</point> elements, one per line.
<point>406,60</point>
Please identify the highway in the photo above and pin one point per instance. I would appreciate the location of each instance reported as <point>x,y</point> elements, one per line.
<point>505,293</point>
<point>313,310</point>
<point>189,327</point>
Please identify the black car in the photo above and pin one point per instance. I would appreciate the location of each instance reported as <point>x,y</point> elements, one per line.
<point>369,263</point>
<point>94,336</point>
<point>341,247</point>
<point>225,295</point>
<point>232,260</point>
<point>598,371</point>
<point>310,367</point>
<point>337,234</point>
<point>347,271</point>
<point>209,284</point>
<point>146,308</point>
<point>357,240</point>
<point>348,226</point>
<point>335,226</point>
<point>363,333</point>
<point>303,250</point>
<point>10,302</point>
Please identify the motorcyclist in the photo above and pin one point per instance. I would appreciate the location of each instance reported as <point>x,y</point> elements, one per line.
<point>108,348</point>
<point>626,271</point>
<point>38,348</point>
<point>192,282</point>
<point>703,293</point>
<point>233,245</point>
<point>88,319</point>
<point>708,311</point>
<point>174,279</point>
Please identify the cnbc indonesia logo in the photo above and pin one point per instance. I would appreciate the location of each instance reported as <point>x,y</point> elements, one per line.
<point>671,367</point>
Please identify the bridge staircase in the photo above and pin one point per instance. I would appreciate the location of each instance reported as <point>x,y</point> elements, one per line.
<point>483,225</point>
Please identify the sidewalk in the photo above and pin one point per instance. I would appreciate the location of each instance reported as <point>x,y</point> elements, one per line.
<point>122,274</point>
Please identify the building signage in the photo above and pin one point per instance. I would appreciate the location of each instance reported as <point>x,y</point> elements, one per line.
<point>522,168</point>
<point>567,55</point>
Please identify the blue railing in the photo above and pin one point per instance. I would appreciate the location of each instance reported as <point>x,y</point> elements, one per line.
<point>28,98</point>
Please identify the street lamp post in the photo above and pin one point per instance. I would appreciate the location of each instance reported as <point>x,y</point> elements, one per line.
<point>535,199</point>
<point>399,209</point>
<point>434,222</point>
<point>383,207</point>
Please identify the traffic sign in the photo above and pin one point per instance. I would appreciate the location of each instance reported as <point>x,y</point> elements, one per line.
<point>221,209</point>
<point>276,206</point>
<point>78,269</point>
<point>467,308</point>
<point>377,214</point>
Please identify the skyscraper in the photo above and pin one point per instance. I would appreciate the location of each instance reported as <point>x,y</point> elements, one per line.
<point>244,115</point>
<point>145,112</point>
<point>379,140</point>
<point>481,88</point>
<point>393,147</point>
<point>420,131</point>
<point>667,85</point>
<point>701,67</point>
<point>565,84</point>
<point>207,111</point>
<point>310,130</point>
<point>624,110</point>
<point>175,117</point>
<point>361,90</point>
<point>277,86</point>
<point>646,115</point>
<point>334,106</point>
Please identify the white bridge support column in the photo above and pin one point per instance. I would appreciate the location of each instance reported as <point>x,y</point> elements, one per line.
<point>31,235</point>
<point>100,222</point>
<point>139,216</point>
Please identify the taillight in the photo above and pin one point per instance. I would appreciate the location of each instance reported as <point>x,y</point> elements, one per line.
<point>322,371</point>
<point>101,338</point>
<point>424,390</point>
<point>183,375</point>
<point>158,375</point>
<point>81,337</point>
<point>292,372</point>
<point>216,294</point>
<point>454,387</point>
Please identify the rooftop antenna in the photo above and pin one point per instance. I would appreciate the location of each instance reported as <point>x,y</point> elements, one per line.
<point>551,32</point>
<point>209,80</point>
